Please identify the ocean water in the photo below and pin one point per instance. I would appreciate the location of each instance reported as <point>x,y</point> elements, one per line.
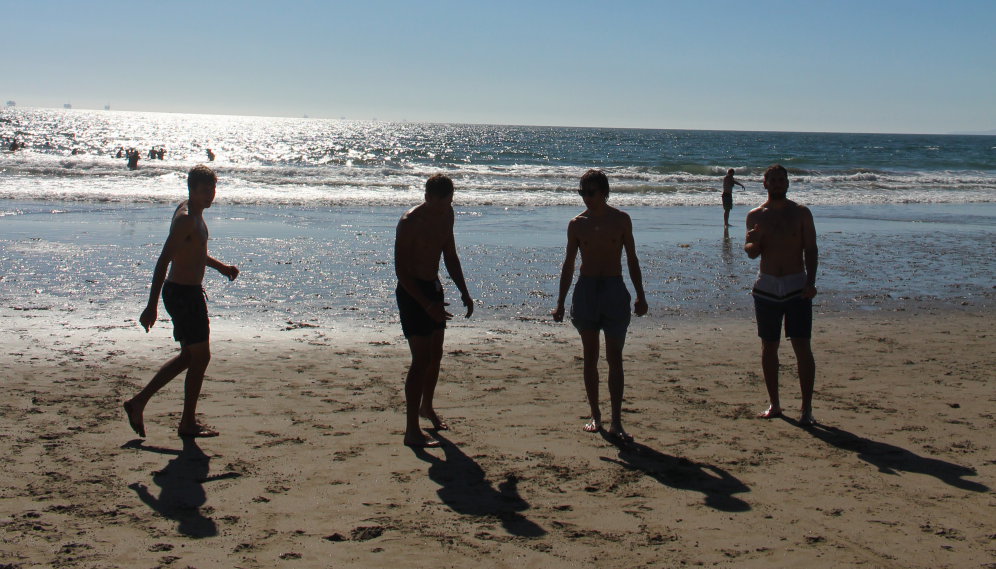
<point>312,162</point>
<point>307,209</point>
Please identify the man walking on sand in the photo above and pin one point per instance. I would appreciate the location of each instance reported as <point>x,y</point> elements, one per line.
<point>728,183</point>
<point>424,233</point>
<point>601,301</point>
<point>185,254</point>
<point>783,234</point>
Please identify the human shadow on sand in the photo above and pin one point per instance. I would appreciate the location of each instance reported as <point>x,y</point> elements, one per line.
<point>889,458</point>
<point>718,485</point>
<point>181,487</point>
<point>466,490</point>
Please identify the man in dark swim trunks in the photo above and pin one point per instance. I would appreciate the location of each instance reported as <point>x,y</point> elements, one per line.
<point>783,234</point>
<point>423,234</point>
<point>185,254</point>
<point>728,182</point>
<point>601,301</point>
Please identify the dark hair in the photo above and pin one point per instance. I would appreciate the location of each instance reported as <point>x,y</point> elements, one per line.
<point>595,179</point>
<point>198,175</point>
<point>729,172</point>
<point>776,168</point>
<point>439,186</point>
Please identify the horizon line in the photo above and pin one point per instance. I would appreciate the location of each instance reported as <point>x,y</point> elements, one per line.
<point>404,121</point>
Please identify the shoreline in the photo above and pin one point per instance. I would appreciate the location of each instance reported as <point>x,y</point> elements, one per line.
<point>901,473</point>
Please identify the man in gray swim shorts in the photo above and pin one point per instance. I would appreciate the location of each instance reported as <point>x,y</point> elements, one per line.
<point>601,301</point>
<point>783,234</point>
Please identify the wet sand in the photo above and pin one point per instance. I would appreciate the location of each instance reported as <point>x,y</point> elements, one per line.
<point>310,470</point>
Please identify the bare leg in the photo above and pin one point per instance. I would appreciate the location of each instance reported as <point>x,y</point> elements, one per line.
<point>430,379</point>
<point>769,364</point>
<point>726,218</point>
<point>613,354</point>
<point>590,349</point>
<point>807,376</point>
<point>200,357</point>
<point>421,348</point>
<point>135,406</point>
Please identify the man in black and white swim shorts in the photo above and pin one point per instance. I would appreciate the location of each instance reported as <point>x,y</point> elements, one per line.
<point>783,234</point>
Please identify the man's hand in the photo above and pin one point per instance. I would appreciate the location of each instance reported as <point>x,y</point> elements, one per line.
<point>230,271</point>
<point>558,314</point>
<point>437,311</point>
<point>148,317</point>
<point>754,235</point>
<point>469,303</point>
<point>809,292</point>
<point>640,307</point>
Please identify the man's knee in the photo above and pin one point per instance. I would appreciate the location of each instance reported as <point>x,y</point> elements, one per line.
<point>769,348</point>
<point>197,354</point>
<point>802,347</point>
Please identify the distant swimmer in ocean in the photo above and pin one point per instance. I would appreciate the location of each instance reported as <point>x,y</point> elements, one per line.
<point>186,256</point>
<point>783,234</point>
<point>210,155</point>
<point>14,146</point>
<point>423,234</point>
<point>120,153</point>
<point>152,153</point>
<point>161,153</point>
<point>133,159</point>
<point>601,301</point>
<point>728,183</point>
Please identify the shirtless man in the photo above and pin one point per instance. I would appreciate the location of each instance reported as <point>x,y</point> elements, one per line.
<point>185,254</point>
<point>601,301</point>
<point>424,233</point>
<point>782,233</point>
<point>728,183</point>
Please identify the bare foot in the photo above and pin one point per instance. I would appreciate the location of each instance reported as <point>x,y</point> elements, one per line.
<point>437,423</point>
<point>593,426</point>
<point>135,418</point>
<point>772,413</point>
<point>807,419</point>
<point>618,432</point>
<point>196,431</point>
<point>421,441</point>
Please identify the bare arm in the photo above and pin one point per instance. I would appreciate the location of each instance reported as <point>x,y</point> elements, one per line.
<point>752,242</point>
<point>810,251</point>
<point>567,272</point>
<point>633,263</point>
<point>739,184</point>
<point>229,271</point>
<point>181,228</point>
<point>452,262</point>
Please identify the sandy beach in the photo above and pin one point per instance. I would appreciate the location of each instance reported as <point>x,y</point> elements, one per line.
<point>310,470</point>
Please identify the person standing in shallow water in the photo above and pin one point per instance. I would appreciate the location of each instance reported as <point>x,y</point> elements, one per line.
<point>185,254</point>
<point>728,183</point>
<point>783,234</point>
<point>601,301</point>
<point>423,234</point>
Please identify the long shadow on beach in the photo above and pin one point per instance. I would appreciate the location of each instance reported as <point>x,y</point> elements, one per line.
<point>465,489</point>
<point>889,458</point>
<point>718,485</point>
<point>181,484</point>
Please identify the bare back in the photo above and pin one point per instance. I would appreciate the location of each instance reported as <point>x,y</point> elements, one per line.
<point>420,239</point>
<point>601,240</point>
<point>188,263</point>
<point>787,231</point>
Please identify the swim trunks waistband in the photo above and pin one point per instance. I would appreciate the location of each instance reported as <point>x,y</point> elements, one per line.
<point>779,289</point>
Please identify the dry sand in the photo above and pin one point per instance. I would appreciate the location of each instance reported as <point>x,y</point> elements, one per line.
<point>310,470</point>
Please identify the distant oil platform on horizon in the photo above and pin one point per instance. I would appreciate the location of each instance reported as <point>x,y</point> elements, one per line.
<point>11,104</point>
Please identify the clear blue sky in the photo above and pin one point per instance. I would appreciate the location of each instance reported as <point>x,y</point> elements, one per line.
<point>864,66</point>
